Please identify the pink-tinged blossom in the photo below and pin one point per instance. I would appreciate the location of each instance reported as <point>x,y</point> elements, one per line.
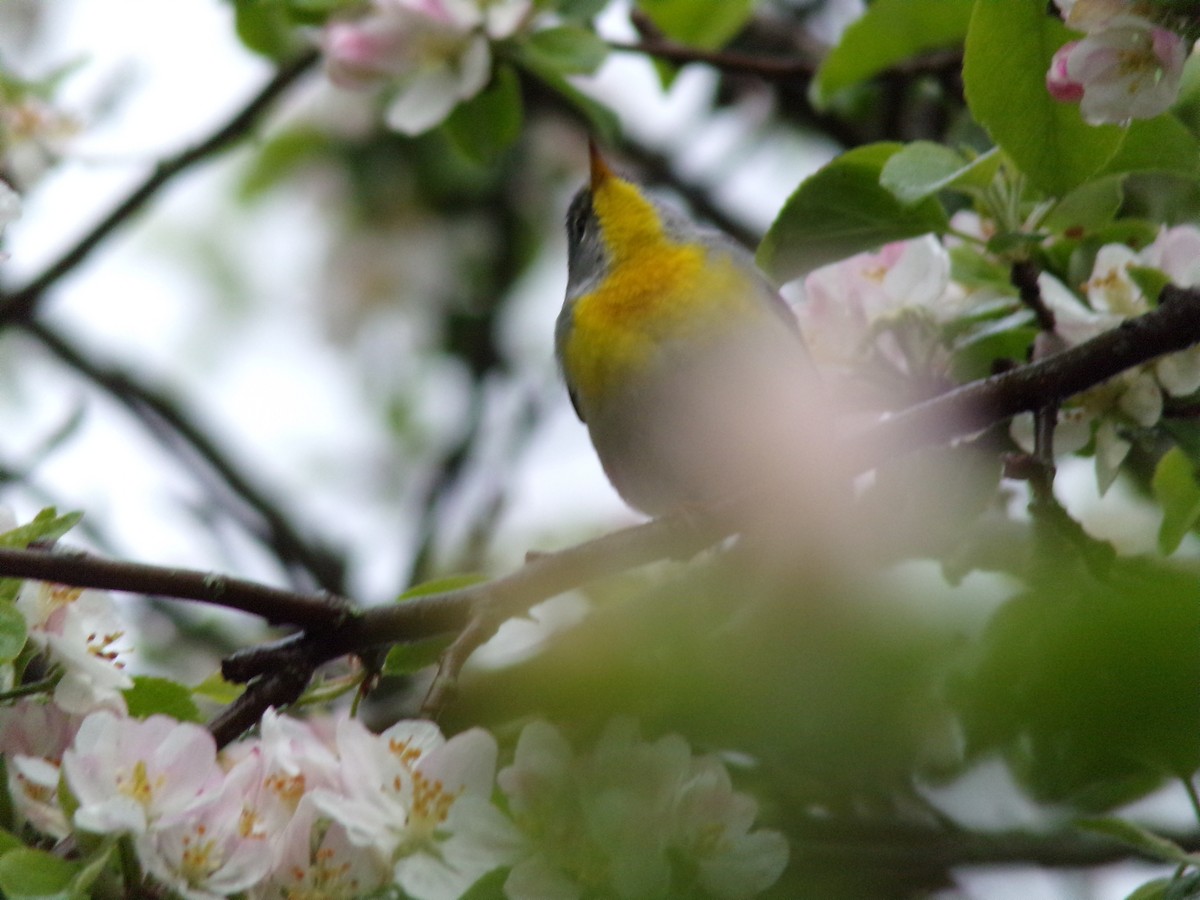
<point>433,53</point>
<point>422,802</point>
<point>33,737</point>
<point>612,821</point>
<point>848,305</point>
<point>1129,69</point>
<point>129,774</point>
<point>1058,81</point>
<point>79,629</point>
<point>211,849</point>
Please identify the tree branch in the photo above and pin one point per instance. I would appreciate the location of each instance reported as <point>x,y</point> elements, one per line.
<point>309,611</point>
<point>21,304</point>
<point>333,628</point>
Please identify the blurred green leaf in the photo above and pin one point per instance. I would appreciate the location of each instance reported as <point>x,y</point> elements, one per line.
<point>217,689</point>
<point>442,585</point>
<point>12,632</point>
<point>700,23</point>
<point>1092,204</point>
<point>1088,685</point>
<point>1151,890</point>
<point>404,659</point>
<point>154,696</point>
<point>580,9</point>
<point>1151,281</point>
<point>890,31</point>
<point>487,124</point>
<point>923,168</point>
<point>841,210</point>
<point>1009,47</point>
<point>1145,842</point>
<point>1161,144</point>
<point>27,874</point>
<point>570,49</point>
<point>265,27</point>
<point>489,887</point>
<point>1175,489</point>
<point>279,158</point>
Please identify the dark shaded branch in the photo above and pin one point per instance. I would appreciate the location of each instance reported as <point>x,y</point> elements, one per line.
<point>312,611</point>
<point>1173,326</point>
<point>21,304</point>
<point>179,433</point>
<point>1024,278</point>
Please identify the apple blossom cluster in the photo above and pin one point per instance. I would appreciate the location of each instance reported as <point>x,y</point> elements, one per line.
<point>432,54</point>
<point>330,809</point>
<point>327,808</point>
<point>1126,67</point>
<point>1133,399</point>
<point>888,312</point>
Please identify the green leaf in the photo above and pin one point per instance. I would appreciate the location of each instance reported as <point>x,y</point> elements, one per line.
<point>580,10</point>
<point>923,168</point>
<point>1175,489</point>
<point>278,158</point>
<point>1151,890</point>
<point>489,886</point>
<point>81,884</point>
<point>151,696</point>
<point>217,689</point>
<point>27,874</point>
<point>486,125</point>
<point>1137,837</point>
<point>1150,280</point>
<point>404,659</point>
<point>889,32</point>
<point>9,841</point>
<point>1086,684</point>
<point>1009,47</point>
<point>442,585</point>
<point>13,633</point>
<point>1092,204</point>
<point>570,49</point>
<point>1161,144</point>
<point>700,23</point>
<point>47,526</point>
<point>265,27</point>
<point>840,210</point>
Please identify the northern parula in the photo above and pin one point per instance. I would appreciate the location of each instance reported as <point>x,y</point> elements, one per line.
<point>662,337</point>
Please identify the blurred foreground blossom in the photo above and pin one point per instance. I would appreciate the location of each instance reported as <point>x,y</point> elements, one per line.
<point>435,53</point>
<point>1127,67</point>
<point>613,822</point>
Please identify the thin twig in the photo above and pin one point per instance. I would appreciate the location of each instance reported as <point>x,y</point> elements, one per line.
<point>178,431</point>
<point>21,304</point>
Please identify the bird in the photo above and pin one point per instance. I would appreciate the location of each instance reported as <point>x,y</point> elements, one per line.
<point>674,347</point>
